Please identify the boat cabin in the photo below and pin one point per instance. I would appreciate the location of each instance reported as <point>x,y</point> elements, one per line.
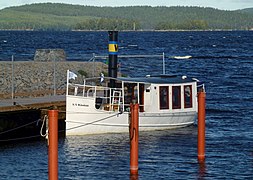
<point>161,93</point>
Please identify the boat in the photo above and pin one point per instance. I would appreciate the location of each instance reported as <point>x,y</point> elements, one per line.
<point>95,107</point>
<point>182,57</point>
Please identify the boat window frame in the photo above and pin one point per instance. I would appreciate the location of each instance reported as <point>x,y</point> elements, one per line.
<point>166,105</point>
<point>178,104</point>
<point>187,105</point>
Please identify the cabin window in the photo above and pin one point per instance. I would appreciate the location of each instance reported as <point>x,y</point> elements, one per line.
<point>164,97</point>
<point>176,97</point>
<point>188,96</point>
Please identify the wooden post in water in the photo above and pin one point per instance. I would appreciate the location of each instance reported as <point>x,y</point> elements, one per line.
<point>134,139</point>
<point>53,145</point>
<point>201,125</point>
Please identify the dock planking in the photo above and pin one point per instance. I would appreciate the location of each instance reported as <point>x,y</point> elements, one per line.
<point>31,103</point>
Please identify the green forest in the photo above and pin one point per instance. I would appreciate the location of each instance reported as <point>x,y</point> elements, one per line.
<point>58,16</point>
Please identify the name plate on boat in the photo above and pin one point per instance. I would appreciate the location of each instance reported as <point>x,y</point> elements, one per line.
<point>77,104</point>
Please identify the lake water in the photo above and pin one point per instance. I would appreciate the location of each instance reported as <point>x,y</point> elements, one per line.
<point>223,60</point>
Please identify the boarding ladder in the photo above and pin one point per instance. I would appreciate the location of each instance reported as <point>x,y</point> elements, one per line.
<point>116,100</point>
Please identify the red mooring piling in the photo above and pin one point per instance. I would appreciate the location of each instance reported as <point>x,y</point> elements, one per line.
<point>134,139</point>
<point>201,125</point>
<point>53,145</point>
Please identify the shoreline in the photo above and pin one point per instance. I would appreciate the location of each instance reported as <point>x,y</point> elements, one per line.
<point>141,30</point>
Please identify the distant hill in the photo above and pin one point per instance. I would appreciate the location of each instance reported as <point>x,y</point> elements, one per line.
<point>247,10</point>
<point>57,16</point>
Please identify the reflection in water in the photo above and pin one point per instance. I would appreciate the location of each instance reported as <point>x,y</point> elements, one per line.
<point>202,170</point>
<point>109,154</point>
<point>134,177</point>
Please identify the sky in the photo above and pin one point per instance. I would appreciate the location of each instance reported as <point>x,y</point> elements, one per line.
<point>219,4</point>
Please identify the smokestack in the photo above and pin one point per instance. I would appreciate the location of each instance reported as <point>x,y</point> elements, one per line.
<point>113,56</point>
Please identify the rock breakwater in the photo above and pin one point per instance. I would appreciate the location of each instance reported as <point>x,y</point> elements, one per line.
<point>34,78</point>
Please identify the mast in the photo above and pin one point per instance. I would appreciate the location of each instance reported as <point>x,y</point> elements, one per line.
<point>113,56</point>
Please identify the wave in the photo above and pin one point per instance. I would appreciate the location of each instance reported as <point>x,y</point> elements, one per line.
<point>214,110</point>
<point>181,57</point>
<point>227,57</point>
<point>222,57</point>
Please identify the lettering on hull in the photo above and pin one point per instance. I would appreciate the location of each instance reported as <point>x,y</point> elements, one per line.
<point>83,105</point>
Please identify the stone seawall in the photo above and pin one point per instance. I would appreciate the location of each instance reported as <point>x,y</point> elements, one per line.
<point>31,78</point>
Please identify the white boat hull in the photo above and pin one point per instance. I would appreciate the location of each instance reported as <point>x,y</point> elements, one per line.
<point>82,124</point>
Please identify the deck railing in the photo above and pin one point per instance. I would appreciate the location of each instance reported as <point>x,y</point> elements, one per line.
<point>102,95</point>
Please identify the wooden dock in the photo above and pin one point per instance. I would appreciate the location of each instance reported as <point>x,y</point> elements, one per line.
<point>7,105</point>
<point>21,118</point>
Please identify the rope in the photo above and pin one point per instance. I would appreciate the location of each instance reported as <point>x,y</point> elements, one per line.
<point>43,123</point>
<point>18,127</point>
<point>29,137</point>
<point>132,132</point>
<point>45,119</point>
<point>24,106</point>
<point>85,124</point>
<point>22,138</point>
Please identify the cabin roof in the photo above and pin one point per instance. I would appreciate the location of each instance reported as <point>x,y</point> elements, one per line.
<point>161,79</point>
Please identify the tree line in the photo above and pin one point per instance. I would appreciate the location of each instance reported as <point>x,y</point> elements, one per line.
<point>58,16</point>
<point>107,23</point>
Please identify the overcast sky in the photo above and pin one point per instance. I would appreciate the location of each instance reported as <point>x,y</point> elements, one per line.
<point>220,4</point>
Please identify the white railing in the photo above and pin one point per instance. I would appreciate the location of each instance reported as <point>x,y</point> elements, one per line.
<point>107,94</point>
